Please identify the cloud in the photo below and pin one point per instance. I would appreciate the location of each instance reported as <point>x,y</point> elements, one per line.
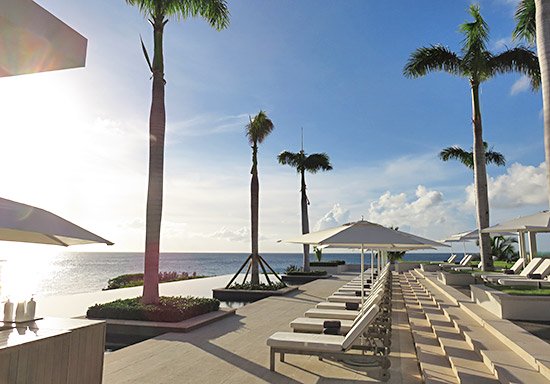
<point>520,186</point>
<point>521,85</point>
<point>241,235</point>
<point>335,217</point>
<point>501,44</point>
<point>426,209</point>
<point>210,124</point>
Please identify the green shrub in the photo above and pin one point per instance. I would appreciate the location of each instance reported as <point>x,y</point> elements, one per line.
<point>329,263</point>
<point>292,268</point>
<point>260,287</point>
<point>310,273</point>
<point>136,279</point>
<point>169,309</point>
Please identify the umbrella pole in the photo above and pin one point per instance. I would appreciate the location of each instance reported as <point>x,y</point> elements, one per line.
<point>371,267</point>
<point>362,276</point>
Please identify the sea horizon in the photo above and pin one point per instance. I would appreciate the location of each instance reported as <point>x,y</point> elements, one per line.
<point>68,273</point>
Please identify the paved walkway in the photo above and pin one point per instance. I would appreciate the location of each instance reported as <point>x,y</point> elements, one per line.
<point>234,349</point>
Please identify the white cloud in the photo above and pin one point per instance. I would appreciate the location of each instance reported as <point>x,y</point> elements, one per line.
<point>501,44</point>
<point>242,234</point>
<point>336,216</point>
<point>210,124</point>
<point>520,186</point>
<point>426,209</point>
<point>521,85</point>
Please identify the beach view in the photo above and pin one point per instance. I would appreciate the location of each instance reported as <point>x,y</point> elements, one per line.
<point>275,191</point>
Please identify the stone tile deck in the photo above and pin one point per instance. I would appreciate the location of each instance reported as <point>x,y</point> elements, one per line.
<point>234,349</point>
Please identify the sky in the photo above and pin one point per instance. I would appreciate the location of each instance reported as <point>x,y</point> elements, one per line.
<point>75,142</point>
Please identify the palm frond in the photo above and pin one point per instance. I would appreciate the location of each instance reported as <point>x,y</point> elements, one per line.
<point>430,59</point>
<point>317,162</point>
<point>457,153</point>
<point>259,128</point>
<point>496,158</point>
<point>215,12</point>
<point>526,27</point>
<point>476,33</point>
<point>293,159</point>
<point>519,59</point>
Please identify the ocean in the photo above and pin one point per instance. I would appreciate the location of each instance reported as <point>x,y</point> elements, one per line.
<point>78,272</point>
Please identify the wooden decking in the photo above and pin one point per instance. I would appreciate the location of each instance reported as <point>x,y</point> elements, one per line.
<point>234,349</point>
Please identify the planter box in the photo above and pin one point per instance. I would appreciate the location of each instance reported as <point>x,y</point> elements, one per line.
<point>248,295</point>
<point>405,266</point>
<point>330,270</point>
<point>460,279</point>
<point>513,307</point>
<point>430,267</point>
<point>302,279</point>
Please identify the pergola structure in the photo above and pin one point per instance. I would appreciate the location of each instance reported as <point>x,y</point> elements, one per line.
<point>33,40</point>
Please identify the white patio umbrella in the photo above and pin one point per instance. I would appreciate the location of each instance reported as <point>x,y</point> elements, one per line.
<point>365,235</point>
<point>530,224</point>
<point>25,223</point>
<point>34,40</point>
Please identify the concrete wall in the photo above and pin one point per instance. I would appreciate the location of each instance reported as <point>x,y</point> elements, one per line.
<point>513,307</point>
<point>460,279</point>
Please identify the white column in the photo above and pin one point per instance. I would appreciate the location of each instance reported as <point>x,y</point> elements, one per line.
<point>362,273</point>
<point>521,244</point>
<point>532,244</point>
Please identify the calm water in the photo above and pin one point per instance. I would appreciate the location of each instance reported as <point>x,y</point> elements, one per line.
<point>68,273</point>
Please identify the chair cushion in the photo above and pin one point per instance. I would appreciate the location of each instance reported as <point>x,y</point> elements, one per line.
<point>306,342</point>
<point>308,324</point>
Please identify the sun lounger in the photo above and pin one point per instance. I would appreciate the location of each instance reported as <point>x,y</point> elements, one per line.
<point>529,268</point>
<point>465,260</point>
<point>542,271</point>
<point>332,347</point>
<point>535,283</point>
<point>315,321</point>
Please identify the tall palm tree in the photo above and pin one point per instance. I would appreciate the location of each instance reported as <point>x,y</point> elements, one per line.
<point>533,24</point>
<point>478,65</point>
<point>256,132</point>
<point>305,163</point>
<point>159,12</point>
<point>467,158</point>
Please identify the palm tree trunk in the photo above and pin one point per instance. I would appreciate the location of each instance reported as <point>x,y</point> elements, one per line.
<point>542,16</point>
<point>305,220</point>
<point>254,210</point>
<point>480,181</point>
<point>157,124</point>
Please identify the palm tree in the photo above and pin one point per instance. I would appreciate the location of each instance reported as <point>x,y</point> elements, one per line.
<point>256,131</point>
<point>159,12</point>
<point>467,158</point>
<point>531,25</point>
<point>503,247</point>
<point>478,65</point>
<point>305,163</point>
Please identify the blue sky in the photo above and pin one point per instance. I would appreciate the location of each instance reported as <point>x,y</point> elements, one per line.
<point>333,68</point>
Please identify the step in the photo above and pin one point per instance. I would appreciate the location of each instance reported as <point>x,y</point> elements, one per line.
<point>485,332</point>
<point>510,368</point>
<point>466,364</point>
<point>434,365</point>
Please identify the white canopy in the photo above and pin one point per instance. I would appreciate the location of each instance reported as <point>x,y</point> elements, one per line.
<point>368,235</point>
<point>25,223</point>
<point>531,224</point>
<point>34,40</point>
<point>539,222</point>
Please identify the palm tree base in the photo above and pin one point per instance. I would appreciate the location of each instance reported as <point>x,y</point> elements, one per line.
<point>263,264</point>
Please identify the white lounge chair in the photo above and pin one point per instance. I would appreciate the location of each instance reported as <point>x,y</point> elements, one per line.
<point>542,271</point>
<point>331,347</point>
<point>316,323</point>
<point>529,268</point>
